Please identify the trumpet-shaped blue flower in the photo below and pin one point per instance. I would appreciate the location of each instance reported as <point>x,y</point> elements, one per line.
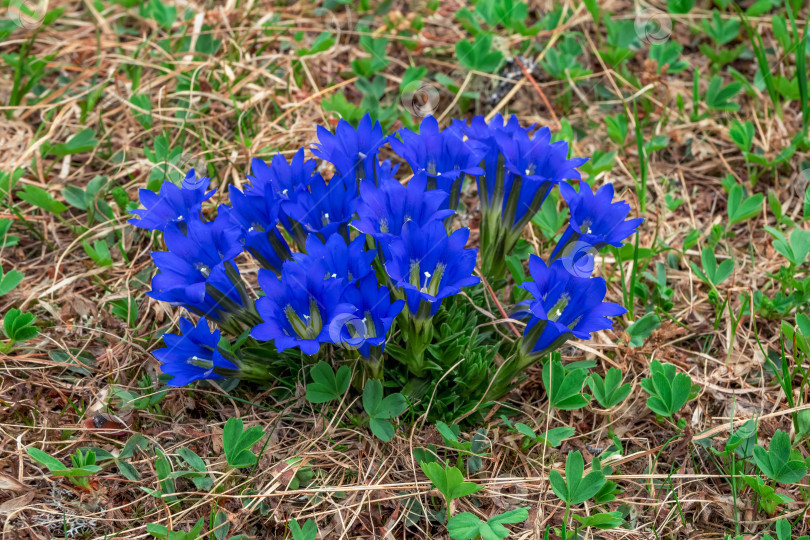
<point>375,314</point>
<point>536,165</point>
<point>353,152</point>
<point>428,265</point>
<point>196,272</point>
<point>384,209</point>
<point>595,219</point>
<point>564,306</point>
<point>349,262</point>
<point>173,204</point>
<point>324,209</point>
<point>441,154</point>
<point>258,217</point>
<point>193,355</point>
<point>299,306</point>
<point>281,179</point>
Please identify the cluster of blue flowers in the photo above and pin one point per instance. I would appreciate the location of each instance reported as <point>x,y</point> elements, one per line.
<point>346,260</point>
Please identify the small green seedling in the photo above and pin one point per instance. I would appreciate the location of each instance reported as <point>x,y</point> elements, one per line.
<point>308,532</point>
<point>712,274</point>
<point>18,327</point>
<point>783,532</point>
<point>99,252</point>
<point>769,500</point>
<point>740,207</point>
<point>778,462</point>
<point>669,391</point>
<point>84,465</point>
<point>466,526</point>
<point>642,328</point>
<point>794,250</point>
<point>718,97</point>
<point>380,411</point>
<point>575,489</point>
<point>479,55</point>
<point>553,437</point>
<point>237,443</point>
<point>564,389</point>
<point>602,520</point>
<point>609,391</point>
<point>449,481</point>
<point>9,280</point>
<point>474,450</point>
<point>163,533</point>
<point>198,473</point>
<point>326,385</point>
<point>610,489</point>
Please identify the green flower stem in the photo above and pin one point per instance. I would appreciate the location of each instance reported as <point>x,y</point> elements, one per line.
<point>418,334</point>
<point>565,521</point>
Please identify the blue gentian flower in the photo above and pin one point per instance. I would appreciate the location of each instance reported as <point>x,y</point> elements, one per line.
<point>595,219</point>
<point>520,170</point>
<point>384,209</point>
<point>428,265</point>
<point>257,216</point>
<point>196,271</point>
<point>441,154</point>
<point>281,179</point>
<point>564,305</point>
<point>349,262</point>
<point>299,306</point>
<point>193,355</point>
<point>375,314</point>
<point>173,204</point>
<point>353,152</point>
<point>324,209</point>
<point>535,165</point>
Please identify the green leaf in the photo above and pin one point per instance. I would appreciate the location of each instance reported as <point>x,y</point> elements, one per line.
<point>777,463</point>
<point>479,55</point>
<point>680,7</point>
<point>326,385</point>
<point>308,532</point>
<point>237,443</point>
<point>643,328</point>
<point>575,489</point>
<point>18,326</point>
<point>718,96</point>
<point>564,390</point>
<point>609,391</point>
<point>9,280</point>
<point>742,133</point>
<point>381,410</point>
<point>555,436</point>
<point>53,464</point>
<point>721,30</point>
<point>83,141</point>
<point>142,109</point>
<point>604,520</point>
<point>40,198</point>
<point>741,208</point>
<point>668,390</point>
<point>464,526</point>
<point>449,481</point>
<point>796,249</point>
<point>666,55</point>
